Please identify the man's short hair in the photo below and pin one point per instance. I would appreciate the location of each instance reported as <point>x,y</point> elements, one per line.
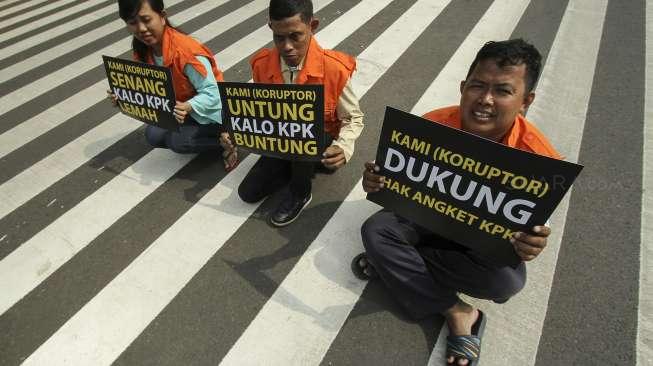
<point>511,53</point>
<point>282,9</point>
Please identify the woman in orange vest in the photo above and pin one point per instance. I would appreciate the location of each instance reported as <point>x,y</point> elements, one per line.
<point>194,74</point>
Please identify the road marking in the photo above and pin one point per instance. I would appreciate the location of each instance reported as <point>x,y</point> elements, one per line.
<point>55,31</point>
<point>645,309</point>
<point>304,317</point>
<point>126,313</point>
<point>515,328</point>
<point>25,15</point>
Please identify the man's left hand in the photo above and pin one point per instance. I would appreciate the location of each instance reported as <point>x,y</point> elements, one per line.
<point>530,245</point>
<point>334,157</point>
<point>182,109</point>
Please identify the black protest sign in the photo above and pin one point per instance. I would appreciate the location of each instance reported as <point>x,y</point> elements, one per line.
<point>279,120</point>
<point>144,91</point>
<point>465,188</point>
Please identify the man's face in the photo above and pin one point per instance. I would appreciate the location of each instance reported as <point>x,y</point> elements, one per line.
<point>491,98</point>
<point>292,37</point>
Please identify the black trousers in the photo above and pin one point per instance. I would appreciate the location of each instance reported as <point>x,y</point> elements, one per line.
<point>424,272</point>
<point>190,138</point>
<point>268,175</point>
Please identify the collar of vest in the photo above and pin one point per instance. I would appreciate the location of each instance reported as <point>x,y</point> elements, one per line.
<point>166,48</point>
<point>313,63</point>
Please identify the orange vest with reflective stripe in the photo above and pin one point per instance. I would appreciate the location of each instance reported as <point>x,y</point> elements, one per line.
<point>330,68</point>
<point>178,51</point>
<point>522,135</point>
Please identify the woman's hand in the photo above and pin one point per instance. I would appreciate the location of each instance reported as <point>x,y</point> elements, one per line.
<point>182,110</point>
<point>112,97</point>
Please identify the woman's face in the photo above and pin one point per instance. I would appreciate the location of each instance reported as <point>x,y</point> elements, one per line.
<point>147,26</point>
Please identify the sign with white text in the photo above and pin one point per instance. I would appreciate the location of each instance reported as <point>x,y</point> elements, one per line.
<point>465,188</point>
<point>280,120</point>
<point>144,91</point>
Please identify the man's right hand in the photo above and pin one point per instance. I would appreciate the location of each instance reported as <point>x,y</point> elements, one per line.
<point>372,182</point>
<point>225,141</point>
<point>230,154</point>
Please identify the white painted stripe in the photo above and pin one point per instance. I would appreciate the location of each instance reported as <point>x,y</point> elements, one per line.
<point>36,178</point>
<point>496,24</point>
<point>645,309</point>
<point>397,38</point>
<point>47,6</point>
<point>306,312</point>
<point>58,114</point>
<point>303,317</point>
<point>84,39</point>
<point>46,172</point>
<point>128,304</point>
<point>108,9</point>
<point>38,258</point>
<point>41,175</point>
<point>514,329</point>
<point>36,87</point>
<point>22,5</point>
<point>24,43</point>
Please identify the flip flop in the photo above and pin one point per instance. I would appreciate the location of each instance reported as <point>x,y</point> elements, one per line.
<point>467,346</point>
<point>362,268</point>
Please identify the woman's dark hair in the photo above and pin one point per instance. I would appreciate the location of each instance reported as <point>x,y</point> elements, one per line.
<point>512,53</point>
<point>128,9</point>
<point>282,9</point>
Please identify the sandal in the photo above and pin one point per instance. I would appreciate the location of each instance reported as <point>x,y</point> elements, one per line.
<point>362,268</point>
<point>467,346</point>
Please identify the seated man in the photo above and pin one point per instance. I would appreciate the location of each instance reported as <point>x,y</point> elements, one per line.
<point>423,271</point>
<point>298,58</point>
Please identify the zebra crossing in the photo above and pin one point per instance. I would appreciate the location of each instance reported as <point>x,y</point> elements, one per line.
<point>115,253</point>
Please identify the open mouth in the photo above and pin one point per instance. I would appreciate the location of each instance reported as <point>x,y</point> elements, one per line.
<point>482,116</point>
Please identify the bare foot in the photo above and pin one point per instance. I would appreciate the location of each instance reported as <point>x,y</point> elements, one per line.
<point>460,319</point>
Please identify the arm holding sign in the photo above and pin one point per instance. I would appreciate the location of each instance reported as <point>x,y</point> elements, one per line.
<point>351,117</point>
<point>372,182</point>
<point>527,245</point>
<point>205,106</point>
<point>112,97</point>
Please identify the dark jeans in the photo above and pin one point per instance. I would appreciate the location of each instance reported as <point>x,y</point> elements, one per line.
<point>191,137</point>
<point>424,272</point>
<point>268,175</point>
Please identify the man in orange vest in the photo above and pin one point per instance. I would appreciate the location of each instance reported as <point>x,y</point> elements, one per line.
<point>298,58</point>
<point>425,272</point>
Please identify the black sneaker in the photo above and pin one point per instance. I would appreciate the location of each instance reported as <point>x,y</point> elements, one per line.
<point>289,209</point>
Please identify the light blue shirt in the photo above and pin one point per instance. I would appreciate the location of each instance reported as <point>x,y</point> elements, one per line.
<point>207,106</point>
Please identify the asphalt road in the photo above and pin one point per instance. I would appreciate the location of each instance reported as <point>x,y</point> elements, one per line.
<point>114,252</point>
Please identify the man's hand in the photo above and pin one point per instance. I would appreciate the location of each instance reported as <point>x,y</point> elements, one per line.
<point>112,97</point>
<point>528,246</point>
<point>372,182</point>
<point>225,141</point>
<point>230,154</point>
<point>334,157</point>
<point>182,109</point>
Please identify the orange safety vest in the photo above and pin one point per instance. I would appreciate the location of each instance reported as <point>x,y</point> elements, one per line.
<point>330,68</point>
<point>522,135</point>
<point>178,51</point>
